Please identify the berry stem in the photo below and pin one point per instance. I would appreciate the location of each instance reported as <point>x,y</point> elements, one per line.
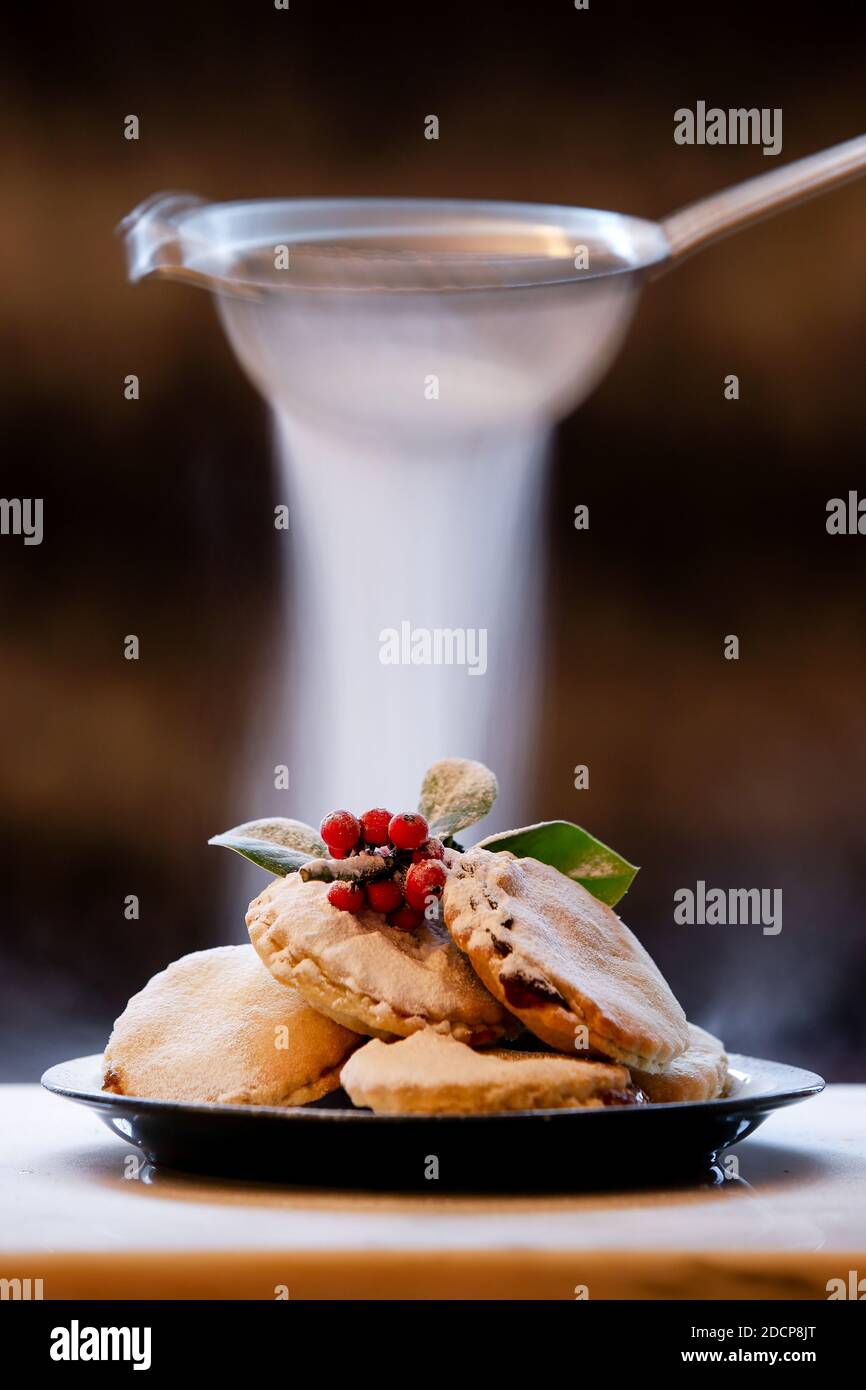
<point>358,868</point>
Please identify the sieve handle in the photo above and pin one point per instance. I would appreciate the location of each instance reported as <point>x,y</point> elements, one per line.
<point>715,217</point>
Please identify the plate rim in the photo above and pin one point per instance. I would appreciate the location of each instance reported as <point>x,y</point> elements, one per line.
<point>809,1083</point>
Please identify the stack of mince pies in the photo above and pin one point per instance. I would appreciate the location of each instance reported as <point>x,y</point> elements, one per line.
<point>527,993</point>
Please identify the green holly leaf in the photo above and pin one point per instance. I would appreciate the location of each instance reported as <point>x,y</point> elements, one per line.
<point>456,792</point>
<point>280,830</point>
<point>277,859</point>
<point>573,851</point>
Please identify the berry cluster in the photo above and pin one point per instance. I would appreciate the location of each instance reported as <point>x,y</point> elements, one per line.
<point>414,871</point>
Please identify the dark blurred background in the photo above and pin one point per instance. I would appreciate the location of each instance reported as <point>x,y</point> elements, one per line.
<point>707,517</point>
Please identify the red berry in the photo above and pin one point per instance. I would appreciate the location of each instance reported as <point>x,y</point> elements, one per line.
<point>423,881</point>
<point>374,825</point>
<point>348,896</point>
<point>408,830</point>
<point>431,849</point>
<point>384,895</point>
<point>405,918</point>
<point>340,830</point>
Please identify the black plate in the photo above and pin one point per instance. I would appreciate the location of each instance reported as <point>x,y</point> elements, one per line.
<point>331,1144</point>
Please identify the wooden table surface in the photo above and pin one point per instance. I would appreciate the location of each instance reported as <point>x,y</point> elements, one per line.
<point>78,1212</point>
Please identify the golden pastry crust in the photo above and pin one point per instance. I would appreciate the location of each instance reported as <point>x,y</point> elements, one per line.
<point>561,960</point>
<point>216,1026</point>
<point>367,975</point>
<point>431,1074</point>
<point>699,1073</point>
